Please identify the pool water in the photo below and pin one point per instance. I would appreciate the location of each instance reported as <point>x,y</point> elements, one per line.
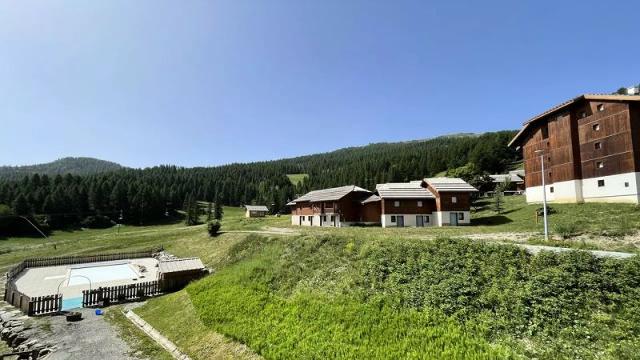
<point>101,273</point>
<point>72,303</point>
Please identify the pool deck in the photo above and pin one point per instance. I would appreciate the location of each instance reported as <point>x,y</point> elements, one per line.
<point>42,281</point>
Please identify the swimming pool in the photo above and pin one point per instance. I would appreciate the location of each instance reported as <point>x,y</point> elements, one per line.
<point>101,273</point>
<point>72,303</point>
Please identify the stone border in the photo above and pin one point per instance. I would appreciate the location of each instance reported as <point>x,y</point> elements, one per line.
<point>155,335</point>
<point>20,336</point>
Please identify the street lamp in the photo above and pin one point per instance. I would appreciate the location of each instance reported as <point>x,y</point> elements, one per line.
<point>544,197</point>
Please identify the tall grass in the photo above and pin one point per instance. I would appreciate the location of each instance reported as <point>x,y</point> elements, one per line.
<point>347,298</point>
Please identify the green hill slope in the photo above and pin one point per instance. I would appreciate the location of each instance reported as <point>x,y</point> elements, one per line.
<point>68,165</point>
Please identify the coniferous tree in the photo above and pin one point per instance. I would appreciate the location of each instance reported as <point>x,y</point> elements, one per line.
<point>21,206</point>
<point>218,212</point>
<point>209,211</point>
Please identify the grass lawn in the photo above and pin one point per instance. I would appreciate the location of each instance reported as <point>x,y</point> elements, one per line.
<point>342,293</point>
<point>142,346</point>
<point>297,178</point>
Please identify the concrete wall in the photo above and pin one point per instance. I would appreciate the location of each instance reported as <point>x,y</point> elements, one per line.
<point>306,221</point>
<point>617,188</point>
<point>409,220</point>
<point>443,218</point>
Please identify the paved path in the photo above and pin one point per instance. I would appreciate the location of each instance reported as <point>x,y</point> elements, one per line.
<point>534,249</point>
<point>155,335</point>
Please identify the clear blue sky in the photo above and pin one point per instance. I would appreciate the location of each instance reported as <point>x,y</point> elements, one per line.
<point>192,83</point>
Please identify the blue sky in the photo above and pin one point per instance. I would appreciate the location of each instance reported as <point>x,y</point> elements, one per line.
<point>197,83</point>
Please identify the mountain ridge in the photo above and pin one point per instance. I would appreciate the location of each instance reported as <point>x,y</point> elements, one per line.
<point>62,166</point>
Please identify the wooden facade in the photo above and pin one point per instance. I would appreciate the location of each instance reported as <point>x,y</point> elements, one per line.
<point>408,206</point>
<point>588,138</point>
<point>409,201</point>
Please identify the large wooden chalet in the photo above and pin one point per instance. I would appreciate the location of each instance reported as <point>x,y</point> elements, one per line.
<point>427,202</point>
<point>591,150</point>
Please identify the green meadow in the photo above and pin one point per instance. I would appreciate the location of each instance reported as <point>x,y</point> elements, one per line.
<point>282,292</point>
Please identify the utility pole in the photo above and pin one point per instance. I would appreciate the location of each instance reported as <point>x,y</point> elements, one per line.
<point>544,197</point>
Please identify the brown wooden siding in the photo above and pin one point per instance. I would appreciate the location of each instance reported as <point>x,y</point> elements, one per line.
<point>634,114</point>
<point>613,136</point>
<point>371,212</point>
<point>409,206</point>
<point>570,151</point>
<point>444,203</point>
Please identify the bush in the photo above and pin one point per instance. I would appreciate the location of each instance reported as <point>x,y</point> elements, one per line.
<point>566,230</point>
<point>213,227</point>
<point>97,222</point>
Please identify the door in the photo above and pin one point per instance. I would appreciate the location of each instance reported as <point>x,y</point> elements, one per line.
<point>419,221</point>
<point>454,219</point>
<point>400,221</point>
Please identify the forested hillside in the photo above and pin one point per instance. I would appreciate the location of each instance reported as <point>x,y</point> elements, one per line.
<point>68,165</point>
<point>144,195</point>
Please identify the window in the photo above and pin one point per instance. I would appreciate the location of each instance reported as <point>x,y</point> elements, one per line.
<point>583,114</point>
<point>333,218</point>
<point>600,107</point>
<point>597,146</point>
<point>601,183</point>
<point>309,218</point>
<point>426,219</point>
<point>460,216</point>
<point>396,203</point>
<point>545,131</point>
<point>324,218</point>
<point>393,219</point>
<point>599,164</point>
<point>596,127</point>
<point>551,189</point>
<point>626,184</point>
<point>419,203</point>
<point>454,199</point>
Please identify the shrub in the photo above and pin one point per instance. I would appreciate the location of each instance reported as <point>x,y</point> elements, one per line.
<point>213,227</point>
<point>566,230</point>
<point>97,222</point>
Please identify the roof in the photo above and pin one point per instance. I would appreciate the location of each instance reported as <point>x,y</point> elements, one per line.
<point>331,194</point>
<point>179,265</point>
<point>514,178</point>
<point>410,190</point>
<point>256,208</point>
<point>443,184</point>
<point>519,172</point>
<point>370,199</point>
<point>571,102</point>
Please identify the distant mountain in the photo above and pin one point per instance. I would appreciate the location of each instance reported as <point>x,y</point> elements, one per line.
<point>68,165</point>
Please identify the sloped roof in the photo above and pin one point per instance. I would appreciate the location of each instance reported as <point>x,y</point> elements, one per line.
<point>410,190</point>
<point>331,194</point>
<point>370,199</point>
<point>570,102</point>
<point>179,265</point>
<point>519,172</point>
<point>502,178</point>
<point>443,184</point>
<point>256,208</point>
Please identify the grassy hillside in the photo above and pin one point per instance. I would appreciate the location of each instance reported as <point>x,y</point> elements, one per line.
<point>68,165</point>
<point>287,292</point>
<point>338,296</point>
<point>296,179</point>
